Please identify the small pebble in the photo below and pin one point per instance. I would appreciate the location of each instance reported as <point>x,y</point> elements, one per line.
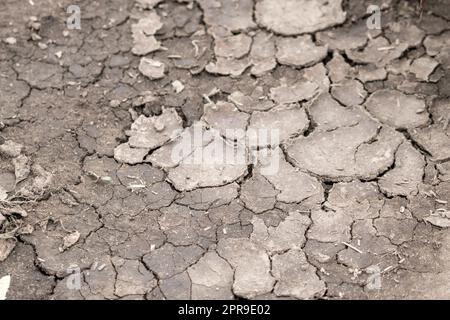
<point>10,40</point>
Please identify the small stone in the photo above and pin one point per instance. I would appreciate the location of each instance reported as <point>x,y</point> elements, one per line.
<point>178,86</point>
<point>35,37</point>
<point>152,69</point>
<point>114,103</point>
<point>34,25</point>
<point>10,40</point>
<point>42,46</point>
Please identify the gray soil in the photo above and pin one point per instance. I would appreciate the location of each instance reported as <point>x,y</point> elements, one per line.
<point>358,209</point>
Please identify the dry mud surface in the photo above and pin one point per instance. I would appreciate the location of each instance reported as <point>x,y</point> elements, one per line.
<point>90,119</point>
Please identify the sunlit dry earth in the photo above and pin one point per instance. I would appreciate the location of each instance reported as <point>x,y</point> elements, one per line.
<point>103,194</point>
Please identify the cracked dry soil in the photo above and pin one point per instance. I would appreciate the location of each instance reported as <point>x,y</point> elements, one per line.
<point>87,122</point>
